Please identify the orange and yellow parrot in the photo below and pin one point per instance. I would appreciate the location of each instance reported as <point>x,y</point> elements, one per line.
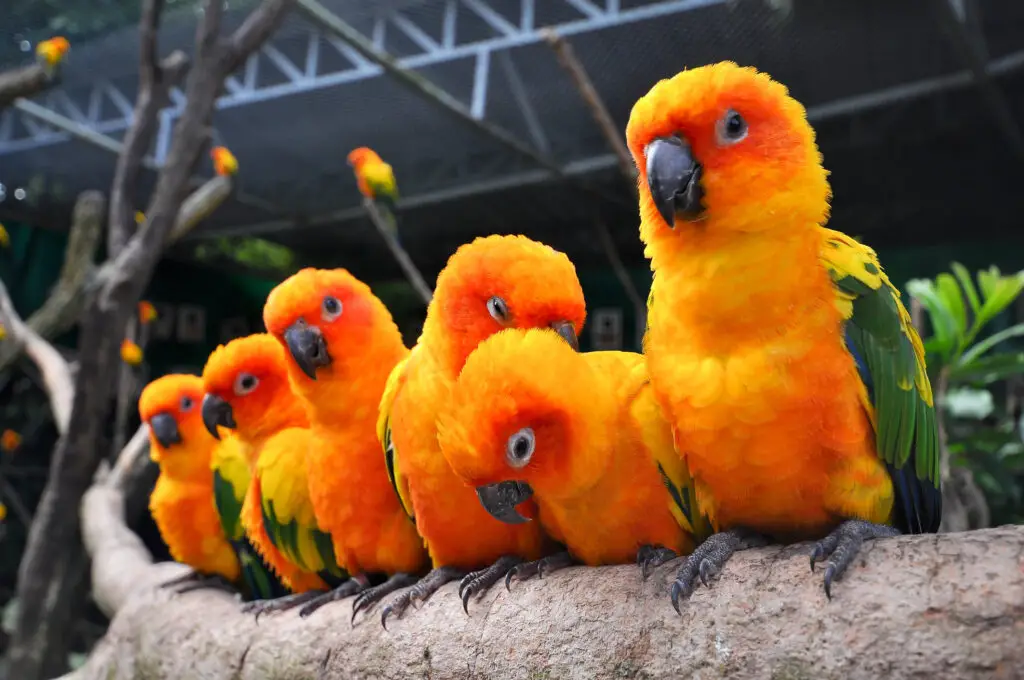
<point>779,349</point>
<point>376,181</point>
<point>224,162</point>
<point>490,284</point>
<point>247,391</point>
<point>50,53</point>
<point>580,434</point>
<point>342,344</point>
<point>182,502</point>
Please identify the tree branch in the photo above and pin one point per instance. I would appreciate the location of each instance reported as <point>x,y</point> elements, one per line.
<point>23,82</point>
<point>401,256</point>
<point>767,615</point>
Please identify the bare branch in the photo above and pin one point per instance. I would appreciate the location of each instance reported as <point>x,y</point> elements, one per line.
<point>765,616</point>
<point>56,374</point>
<point>401,256</point>
<point>200,204</point>
<point>149,26</point>
<point>23,82</point>
<point>14,500</point>
<point>255,30</point>
<point>128,458</point>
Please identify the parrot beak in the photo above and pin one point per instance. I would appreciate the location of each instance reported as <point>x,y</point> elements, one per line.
<point>568,333</point>
<point>165,429</point>
<point>500,500</point>
<point>216,412</point>
<point>307,346</point>
<point>673,177</point>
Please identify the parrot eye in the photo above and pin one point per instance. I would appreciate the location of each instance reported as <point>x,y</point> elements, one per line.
<point>520,447</point>
<point>731,128</point>
<point>186,404</point>
<point>330,308</point>
<point>498,309</point>
<point>245,383</point>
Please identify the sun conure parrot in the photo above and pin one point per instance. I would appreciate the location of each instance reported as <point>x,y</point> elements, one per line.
<point>247,391</point>
<point>50,53</point>
<point>341,344</point>
<point>584,437</point>
<point>779,350</point>
<point>182,500</point>
<point>489,284</point>
<point>376,181</point>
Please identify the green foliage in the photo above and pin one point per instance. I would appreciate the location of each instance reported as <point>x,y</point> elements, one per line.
<point>253,253</point>
<point>967,370</point>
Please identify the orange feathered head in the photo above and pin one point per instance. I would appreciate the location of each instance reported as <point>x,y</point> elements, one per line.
<point>724,148</point>
<point>498,282</point>
<point>246,383</point>
<point>526,414</point>
<point>170,405</point>
<point>364,154</point>
<point>329,321</point>
<point>224,162</point>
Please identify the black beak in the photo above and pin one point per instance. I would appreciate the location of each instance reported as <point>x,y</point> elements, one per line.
<point>165,429</point>
<point>673,177</point>
<point>501,499</point>
<point>568,333</point>
<point>307,346</point>
<point>216,412</point>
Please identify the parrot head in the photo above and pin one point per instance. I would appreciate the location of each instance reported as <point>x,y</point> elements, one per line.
<point>361,156</point>
<point>526,415</point>
<point>498,282</point>
<point>327,320</point>
<point>54,49</point>
<point>170,405</point>
<point>719,148</point>
<point>246,384</point>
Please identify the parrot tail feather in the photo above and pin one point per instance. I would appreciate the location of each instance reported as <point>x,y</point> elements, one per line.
<point>843,544</point>
<point>421,592</point>
<point>538,568</point>
<point>478,582</point>
<point>709,558</point>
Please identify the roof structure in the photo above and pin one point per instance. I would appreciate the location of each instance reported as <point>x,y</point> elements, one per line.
<point>918,114</point>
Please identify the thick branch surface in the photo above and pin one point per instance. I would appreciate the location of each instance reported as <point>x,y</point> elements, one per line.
<point>23,82</point>
<point>928,606</point>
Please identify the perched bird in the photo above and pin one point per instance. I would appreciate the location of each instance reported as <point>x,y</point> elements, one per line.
<point>182,502</point>
<point>10,440</point>
<point>779,350</point>
<point>247,391</point>
<point>224,162</point>
<point>146,312</point>
<point>489,284</point>
<point>580,434</point>
<point>376,181</point>
<point>342,344</point>
<point>50,53</point>
<point>131,353</point>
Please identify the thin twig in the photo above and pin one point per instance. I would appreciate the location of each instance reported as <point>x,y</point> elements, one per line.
<point>401,256</point>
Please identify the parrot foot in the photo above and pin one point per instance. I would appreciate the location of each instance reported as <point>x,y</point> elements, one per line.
<point>371,596</point>
<point>420,592</point>
<point>212,581</point>
<point>477,582</point>
<point>190,577</point>
<point>280,604</point>
<point>537,568</point>
<point>709,558</point>
<point>349,587</point>
<point>843,544</point>
<point>651,556</point>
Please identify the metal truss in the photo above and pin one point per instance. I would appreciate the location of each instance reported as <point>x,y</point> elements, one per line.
<point>272,74</point>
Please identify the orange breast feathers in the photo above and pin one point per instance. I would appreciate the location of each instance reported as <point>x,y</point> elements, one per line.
<point>182,502</point>
<point>333,328</point>
<point>528,408</point>
<point>744,343</point>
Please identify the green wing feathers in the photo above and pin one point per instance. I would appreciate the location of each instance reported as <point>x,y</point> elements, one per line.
<point>897,394</point>
<point>387,401</point>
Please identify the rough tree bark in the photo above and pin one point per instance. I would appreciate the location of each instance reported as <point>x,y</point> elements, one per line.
<point>24,82</point>
<point>939,606</point>
<point>53,552</point>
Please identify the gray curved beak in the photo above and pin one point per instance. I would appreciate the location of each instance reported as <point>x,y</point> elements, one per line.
<point>307,346</point>
<point>165,429</point>
<point>501,499</point>
<point>568,333</point>
<point>673,177</point>
<point>216,412</point>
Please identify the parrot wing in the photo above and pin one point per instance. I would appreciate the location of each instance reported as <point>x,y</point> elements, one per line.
<point>287,509</point>
<point>380,179</point>
<point>387,401</point>
<point>896,392</point>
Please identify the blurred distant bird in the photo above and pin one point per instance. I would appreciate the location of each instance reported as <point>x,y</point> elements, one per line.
<point>224,162</point>
<point>376,181</point>
<point>131,353</point>
<point>10,441</point>
<point>50,53</point>
<point>147,312</point>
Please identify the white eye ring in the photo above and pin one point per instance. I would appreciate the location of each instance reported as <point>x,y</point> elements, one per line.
<point>498,309</point>
<point>731,128</point>
<point>520,447</point>
<point>186,404</point>
<point>330,308</point>
<point>245,383</point>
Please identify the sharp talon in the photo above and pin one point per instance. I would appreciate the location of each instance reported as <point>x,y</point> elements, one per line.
<point>829,573</point>
<point>677,590</point>
<point>508,578</point>
<point>705,572</point>
<point>465,601</point>
<point>384,617</point>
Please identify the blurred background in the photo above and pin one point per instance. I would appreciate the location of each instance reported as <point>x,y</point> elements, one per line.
<point>918,107</point>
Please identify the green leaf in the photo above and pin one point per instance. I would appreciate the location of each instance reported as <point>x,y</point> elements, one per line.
<point>988,343</point>
<point>967,283</point>
<point>950,292</point>
<point>943,341</point>
<point>988,370</point>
